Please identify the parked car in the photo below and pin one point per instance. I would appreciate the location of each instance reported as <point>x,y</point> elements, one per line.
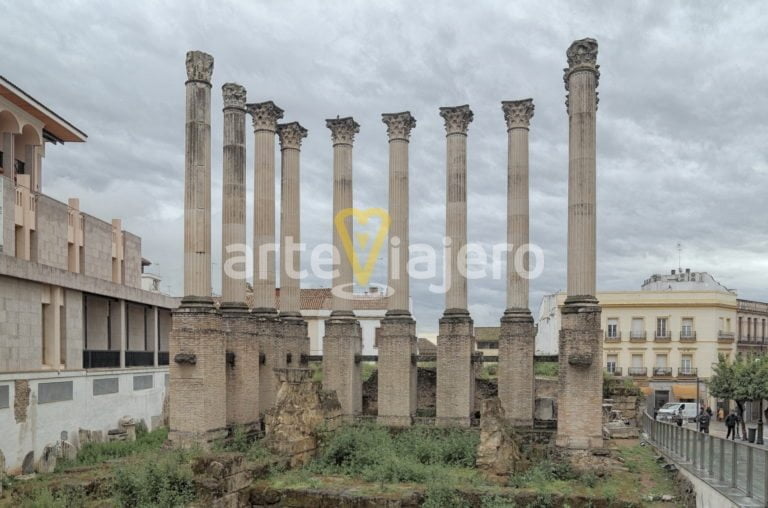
<point>671,410</point>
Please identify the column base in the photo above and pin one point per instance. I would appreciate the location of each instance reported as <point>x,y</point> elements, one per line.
<point>197,372</point>
<point>517,337</point>
<point>397,371</point>
<point>455,372</point>
<point>580,395</point>
<point>242,365</point>
<point>342,345</point>
<point>267,330</point>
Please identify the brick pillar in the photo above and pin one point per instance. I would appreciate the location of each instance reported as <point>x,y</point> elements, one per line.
<point>343,341</point>
<point>455,341</point>
<point>397,339</point>
<point>198,391</point>
<point>266,324</point>
<point>517,333</point>
<point>580,394</point>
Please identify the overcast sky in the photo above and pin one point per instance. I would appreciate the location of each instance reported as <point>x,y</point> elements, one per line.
<point>682,131</point>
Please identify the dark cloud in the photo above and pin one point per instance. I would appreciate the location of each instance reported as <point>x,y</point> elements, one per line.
<point>681,130</point>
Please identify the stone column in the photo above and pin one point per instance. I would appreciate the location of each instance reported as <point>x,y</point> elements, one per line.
<point>197,372</point>
<point>580,354</point>
<point>295,335</point>
<point>242,346</point>
<point>455,341</point>
<point>265,323</point>
<point>343,342</point>
<point>265,117</point>
<point>397,339</point>
<point>517,334</point>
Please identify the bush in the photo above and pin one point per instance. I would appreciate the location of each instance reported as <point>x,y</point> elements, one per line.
<point>95,453</point>
<point>549,369</point>
<point>489,501</point>
<point>543,473</point>
<point>242,442</point>
<point>66,497</point>
<point>164,482</point>
<point>441,496</point>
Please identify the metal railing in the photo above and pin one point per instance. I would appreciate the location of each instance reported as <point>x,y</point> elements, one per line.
<point>662,336</point>
<point>615,337</point>
<point>139,358</point>
<point>635,335</point>
<point>637,371</point>
<point>615,372</point>
<point>722,463</point>
<point>687,372</point>
<point>100,359</point>
<point>721,335</point>
<point>662,371</point>
<point>687,336</point>
<point>162,358</point>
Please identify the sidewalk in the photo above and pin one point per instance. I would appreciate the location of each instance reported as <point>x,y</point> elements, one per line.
<point>720,430</point>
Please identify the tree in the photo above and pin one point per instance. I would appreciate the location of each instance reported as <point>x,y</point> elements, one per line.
<point>724,383</point>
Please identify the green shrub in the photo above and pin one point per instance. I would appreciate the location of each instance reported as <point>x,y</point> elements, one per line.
<point>166,482</point>
<point>549,369</point>
<point>491,501</point>
<point>67,497</point>
<point>95,453</point>
<point>367,369</point>
<point>442,496</point>
<point>543,473</point>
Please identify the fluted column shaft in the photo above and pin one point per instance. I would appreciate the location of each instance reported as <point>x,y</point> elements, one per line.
<point>343,131</point>
<point>197,177</point>
<point>290,224</point>
<point>233,189</point>
<point>265,116</point>
<point>517,115</point>
<point>457,121</point>
<point>581,82</point>
<point>399,127</point>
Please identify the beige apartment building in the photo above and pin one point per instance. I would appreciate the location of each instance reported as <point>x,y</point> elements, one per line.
<point>81,344</point>
<point>668,335</point>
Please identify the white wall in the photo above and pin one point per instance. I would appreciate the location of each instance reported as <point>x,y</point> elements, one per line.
<point>45,422</point>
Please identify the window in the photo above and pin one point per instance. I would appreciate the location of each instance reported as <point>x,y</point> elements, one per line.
<point>727,324</point>
<point>661,327</point>
<point>611,363</point>
<point>638,328</point>
<point>686,362</point>
<point>661,360</point>
<point>637,360</point>
<point>613,328</point>
<point>687,328</point>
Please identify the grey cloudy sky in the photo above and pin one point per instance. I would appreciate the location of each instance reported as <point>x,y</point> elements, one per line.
<point>681,125</point>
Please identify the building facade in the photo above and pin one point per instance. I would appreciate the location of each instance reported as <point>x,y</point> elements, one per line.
<point>81,344</point>
<point>668,335</point>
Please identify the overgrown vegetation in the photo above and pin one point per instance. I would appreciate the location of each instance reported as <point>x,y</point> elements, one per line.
<point>166,481</point>
<point>96,453</point>
<point>421,455</point>
<point>549,369</point>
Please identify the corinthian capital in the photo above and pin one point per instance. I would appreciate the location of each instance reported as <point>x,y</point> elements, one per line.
<point>234,96</point>
<point>582,53</point>
<point>291,134</point>
<point>199,66</point>
<point>265,115</point>
<point>399,125</point>
<point>343,130</point>
<point>518,113</point>
<point>457,119</point>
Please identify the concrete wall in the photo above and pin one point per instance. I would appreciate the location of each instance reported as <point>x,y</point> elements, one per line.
<point>20,325</point>
<point>136,328</point>
<point>165,328</point>
<point>73,334</point>
<point>43,424</point>
<point>98,248</point>
<point>98,310</point>
<point>132,261</point>
<point>52,220</point>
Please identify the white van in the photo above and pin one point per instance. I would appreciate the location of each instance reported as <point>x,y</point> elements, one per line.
<point>671,410</point>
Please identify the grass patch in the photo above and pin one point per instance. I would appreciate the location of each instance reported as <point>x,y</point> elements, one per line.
<point>549,369</point>
<point>96,453</point>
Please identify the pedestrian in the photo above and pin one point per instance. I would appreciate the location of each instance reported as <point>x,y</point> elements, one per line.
<point>730,422</point>
<point>704,422</point>
<point>709,412</point>
<point>680,417</point>
<point>738,424</point>
<point>720,414</point>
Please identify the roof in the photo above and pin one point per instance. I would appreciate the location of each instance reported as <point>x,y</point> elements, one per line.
<point>54,126</point>
<point>487,333</point>
<point>321,298</point>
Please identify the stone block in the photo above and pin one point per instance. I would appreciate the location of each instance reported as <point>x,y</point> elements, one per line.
<point>545,409</point>
<point>397,373</point>
<point>47,461</point>
<point>266,330</point>
<point>455,374</point>
<point>342,345</point>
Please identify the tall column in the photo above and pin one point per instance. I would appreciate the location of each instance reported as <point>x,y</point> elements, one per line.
<point>198,414</point>
<point>397,341</point>
<point>295,335</point>
<point>343,342</point>
<point>242,347</point>
<point>580,354</point>
<point>233,199</point>
<point>455,341</point>
<point>265,117</point>
<point>265,323</point>
<point>517,335</point>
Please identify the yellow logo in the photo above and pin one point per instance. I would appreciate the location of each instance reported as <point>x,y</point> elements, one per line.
<point>362,272</point>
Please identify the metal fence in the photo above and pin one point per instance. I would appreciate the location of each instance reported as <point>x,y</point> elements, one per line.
<point>722,463</point>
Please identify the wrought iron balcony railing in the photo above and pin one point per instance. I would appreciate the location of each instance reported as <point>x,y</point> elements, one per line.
<point>637,336</point>
<point>662,371</point>
<point>687,372</point>
<point>637,371</point>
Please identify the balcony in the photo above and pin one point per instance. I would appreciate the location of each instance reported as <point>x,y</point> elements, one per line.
<point>637,371</point>
<point>687,336</point>
<point>635,336</point>
<point>101,359</point>
<point>687,372</point>
<point>139,358</point>
<point>664,336</point>
<point>725,336</point>
<point>662,372</point>
<point>616,337</point>
<point>615,372</point>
